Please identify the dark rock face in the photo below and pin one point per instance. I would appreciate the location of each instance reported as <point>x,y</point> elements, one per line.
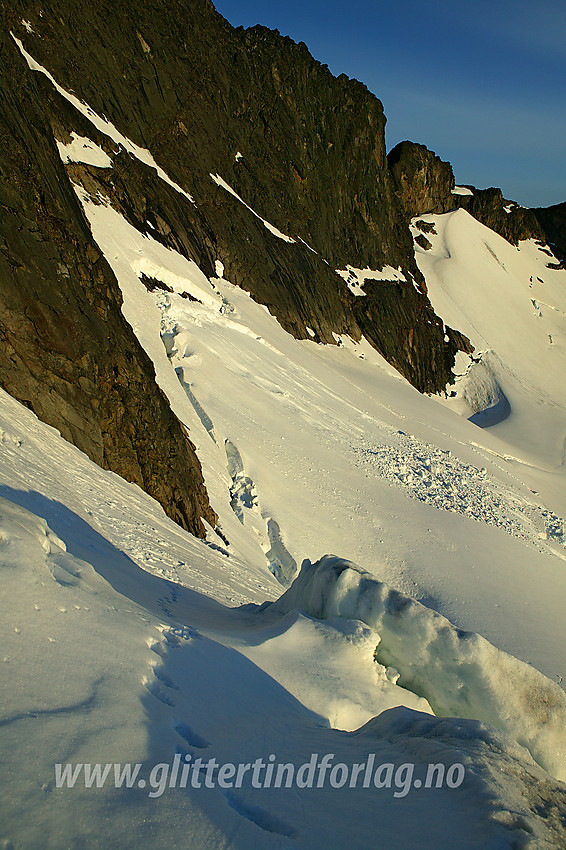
<point>66,351</point>
<point>394,304</point>
<point>423,181</point>
<point>424,184</point>
<point>553,222</point>
<point>425,226</point>
<point>423,242</point>
<point>179,80</point>
<point>514,224</point>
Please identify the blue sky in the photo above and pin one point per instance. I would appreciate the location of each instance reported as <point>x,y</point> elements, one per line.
<point>480,82</point>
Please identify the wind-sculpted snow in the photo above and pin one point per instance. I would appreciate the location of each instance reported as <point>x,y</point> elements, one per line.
<point>460,673</point>
<point>197,680</point>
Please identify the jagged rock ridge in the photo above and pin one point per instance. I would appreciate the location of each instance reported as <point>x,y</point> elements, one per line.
<point>553,222</point>
<point>302,148</point>
<point>195,91</point>
<point>425,184</point>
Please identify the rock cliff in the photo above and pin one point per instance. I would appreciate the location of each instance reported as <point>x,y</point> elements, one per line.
<point>66,351</point>
<point>289,184</point>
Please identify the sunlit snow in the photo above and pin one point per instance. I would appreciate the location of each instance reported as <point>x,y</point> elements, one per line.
<point>356,278</point>
<point>82,149</point>
<point>102,124</point>
<point>444,645</point>
<point>221,182</point>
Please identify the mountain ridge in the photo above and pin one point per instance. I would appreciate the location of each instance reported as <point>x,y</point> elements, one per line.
<point>250,125</point>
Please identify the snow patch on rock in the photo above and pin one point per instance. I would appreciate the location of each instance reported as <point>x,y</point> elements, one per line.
<point>83,149</point>
<point>221,182</point>
<point>102,124</point>
<point>356,278</point>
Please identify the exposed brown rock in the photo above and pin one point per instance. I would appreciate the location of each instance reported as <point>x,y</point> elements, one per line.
<point>66,350</point>
<point>423,242</point>
<point>313,160</point>
<point>424,184</point>
<point>423,181</point>
<point>553,222</point>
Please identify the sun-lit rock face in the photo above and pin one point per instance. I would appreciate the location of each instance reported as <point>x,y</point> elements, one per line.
<point>66,350</point>
<point>425,184</point>
<point>301,152</point>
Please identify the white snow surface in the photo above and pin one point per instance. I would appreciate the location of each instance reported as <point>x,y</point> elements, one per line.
<point>461,190</point>
<point>83,149</point>
<point>513,309</point>
<point>164,671</point>
<point>460,673</point>
<point>356,278</point>
<point>305,450</point>
<point>272,229</point>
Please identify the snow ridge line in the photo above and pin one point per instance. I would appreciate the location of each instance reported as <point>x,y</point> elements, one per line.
<point>460,673</point>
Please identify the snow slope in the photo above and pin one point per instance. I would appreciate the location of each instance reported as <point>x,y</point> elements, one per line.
<point>460,673</point>
<point>512,306</point>
<point>338,453</point>
<point>167,672</point>
<point>306,450</point>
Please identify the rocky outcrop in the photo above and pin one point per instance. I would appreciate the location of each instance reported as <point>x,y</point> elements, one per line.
<point>510,220</point>
<point>302,148</point>
<point>553,222</point>
<point>425,183</point>
<point>396,304</point>
<point>66,351</point>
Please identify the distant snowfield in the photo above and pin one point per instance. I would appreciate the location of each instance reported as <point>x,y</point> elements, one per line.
<point>127,640</point>
<point>513,309</point>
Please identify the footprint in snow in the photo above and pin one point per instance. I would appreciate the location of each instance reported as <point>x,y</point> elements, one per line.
<point>175,636</point>
<point>154,688</point>
<point>258,816</point>
<point>164,678</point>
<point>192,738</point>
